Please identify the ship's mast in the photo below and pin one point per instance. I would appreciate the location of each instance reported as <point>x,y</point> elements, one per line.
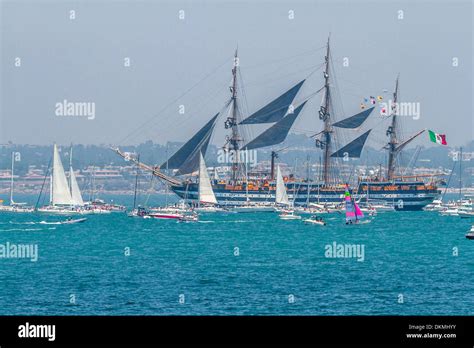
<point>232,122</point>
<point>325,116</point>
<point>70,171</point>
<point>460,173</point>
<point>11,179</point>
<point>392,133</point>
<point>272,170</point>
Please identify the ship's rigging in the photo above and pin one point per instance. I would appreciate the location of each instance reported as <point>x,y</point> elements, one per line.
<point>394,146</point>
<point>234,140</point>
<point>325,139</point>
<point>282,113</point>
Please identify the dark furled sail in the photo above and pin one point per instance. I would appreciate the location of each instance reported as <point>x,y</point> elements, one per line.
<point>276,133</point>
<point>276,109</point>
<point>186,159</point>
<point>354,148</point>
<point>354,121</point>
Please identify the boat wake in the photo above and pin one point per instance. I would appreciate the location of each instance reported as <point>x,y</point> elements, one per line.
<point>22,229</point>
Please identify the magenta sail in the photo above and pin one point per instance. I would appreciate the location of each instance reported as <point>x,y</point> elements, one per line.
<point>358,212</point>
<point>350,212</point>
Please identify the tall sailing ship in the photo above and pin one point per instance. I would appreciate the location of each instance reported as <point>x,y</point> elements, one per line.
<point>404,193</point>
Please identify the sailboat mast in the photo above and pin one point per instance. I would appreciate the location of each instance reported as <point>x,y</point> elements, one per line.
<point>235,137</point>
<point>325,116</point>
<point>460,173</point>
<point>246,182</point>
<point>392,133</point>
<point>11,180</point>
<point>51,177</point>
<point>307,182</point>
<point>70,171</point>
<point>91,196</point>
<point>201,158</point>
<point>167,171</point>
<point>136,184</point>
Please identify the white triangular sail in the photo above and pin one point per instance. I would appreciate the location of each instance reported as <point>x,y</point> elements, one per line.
<point>73,186</point>
<point>75,192</point>
<point>60,194</point>
<point>281,197</point>
<point>206,194</point>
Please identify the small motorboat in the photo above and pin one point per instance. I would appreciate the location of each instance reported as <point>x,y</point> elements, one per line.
<point>16,208</point>
<point>73,221</point>
<point>65,222</point>
<point>194,217</point>
<point>172,216</point>
<point>140,212</point>
<point>289,215</point>
<point>450,212</point>
<point>465,214</point>
<point>436,205</point>
<point>470,234</point>
<point>315,220</point>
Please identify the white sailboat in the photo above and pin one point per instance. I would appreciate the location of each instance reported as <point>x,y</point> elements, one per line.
<point>281,199</point>
<point>73,186</point>
<point>14,207</point>
<point>206,198</point>
<point>65,197</point>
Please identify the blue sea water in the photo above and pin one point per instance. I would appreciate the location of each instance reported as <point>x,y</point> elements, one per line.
<point>281,267</point>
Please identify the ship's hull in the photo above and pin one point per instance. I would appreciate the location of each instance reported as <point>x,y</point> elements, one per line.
<point>402,195</point>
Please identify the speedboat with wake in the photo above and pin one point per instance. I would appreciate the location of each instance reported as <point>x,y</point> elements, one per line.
<point>69,221</point>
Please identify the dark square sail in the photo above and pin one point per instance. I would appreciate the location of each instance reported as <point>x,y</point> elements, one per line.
<point>354,148</point>
<point>354,121</point>
<point>186,159</point>
<point>276,133</point>
<point>276,109</point>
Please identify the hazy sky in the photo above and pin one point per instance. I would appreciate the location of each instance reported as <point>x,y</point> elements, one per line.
<point>82,60</point>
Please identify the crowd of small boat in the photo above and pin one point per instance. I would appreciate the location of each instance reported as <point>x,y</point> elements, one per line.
<point>462,208</point>
<point>66,199</point>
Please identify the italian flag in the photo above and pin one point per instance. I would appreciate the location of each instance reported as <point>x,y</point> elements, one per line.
<point>437,138</point>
